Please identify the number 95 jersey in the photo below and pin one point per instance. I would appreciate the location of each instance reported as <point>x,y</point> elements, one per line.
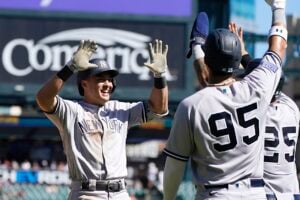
<point>281,135</point>
<point>220,128</point>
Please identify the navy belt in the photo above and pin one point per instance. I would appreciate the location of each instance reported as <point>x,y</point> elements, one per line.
<point>297,196</point>
<point>253,183</point>
<point>273,197</point>
<point>108,186</point>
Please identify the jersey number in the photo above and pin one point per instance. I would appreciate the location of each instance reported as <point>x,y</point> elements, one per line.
<point>229,130</point>
<point>274,143</point>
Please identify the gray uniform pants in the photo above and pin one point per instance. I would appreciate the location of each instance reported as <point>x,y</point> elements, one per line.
<point>235,191</point>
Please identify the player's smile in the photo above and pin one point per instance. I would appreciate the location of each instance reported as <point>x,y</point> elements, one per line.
<point>98,88</point>
<point>106,91</point>
<point>105,85</point>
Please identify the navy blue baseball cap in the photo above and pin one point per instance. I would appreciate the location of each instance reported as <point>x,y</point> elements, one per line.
<point>102,68</point>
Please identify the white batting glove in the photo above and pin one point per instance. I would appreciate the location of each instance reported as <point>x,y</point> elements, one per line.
<point>80,59</point>
<point>158,58</point>
<point>276,4</point>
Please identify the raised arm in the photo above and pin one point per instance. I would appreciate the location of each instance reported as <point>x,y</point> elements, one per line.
<point>278,32</point>
<point>46,96</point>
<point>197,39</point>
<point>159,96</point>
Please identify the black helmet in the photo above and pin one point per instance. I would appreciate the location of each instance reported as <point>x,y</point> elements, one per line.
<point>102,67</point>
<point>222,51</point>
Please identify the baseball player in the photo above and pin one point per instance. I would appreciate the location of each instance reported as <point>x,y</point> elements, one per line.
<point>281,136</point>
<point>220,128</point>
<point>94,130</point>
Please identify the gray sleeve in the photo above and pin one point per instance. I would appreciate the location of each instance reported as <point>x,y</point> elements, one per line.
<point>180,142</point>
<point>137,114</point>
<point>150,115</point>
<point>63,114</point>
<point>265,78</point>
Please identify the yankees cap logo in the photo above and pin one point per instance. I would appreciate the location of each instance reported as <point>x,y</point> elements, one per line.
<point>103,64</point>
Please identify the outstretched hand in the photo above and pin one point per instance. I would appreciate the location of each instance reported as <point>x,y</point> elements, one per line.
<point>80,59</point>
<point>158,58</point>
<point>275,4</point>
<point>239,32</point>
<point>199,32</point>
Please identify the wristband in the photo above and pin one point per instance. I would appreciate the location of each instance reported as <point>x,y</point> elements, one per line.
<point>160,83</point>
<point>198,52</point>
<point>279,31</point>
<point>197,41</point>
<point>64,73</point>
<point>245,60</point>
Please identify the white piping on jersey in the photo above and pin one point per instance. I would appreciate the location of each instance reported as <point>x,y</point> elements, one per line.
<point>175,156</point>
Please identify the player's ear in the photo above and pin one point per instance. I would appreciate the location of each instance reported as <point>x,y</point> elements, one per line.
<point>84,84</point>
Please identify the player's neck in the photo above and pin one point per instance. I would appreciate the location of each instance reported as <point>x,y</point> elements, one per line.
<point>93,101</point>
<point>220,81</point>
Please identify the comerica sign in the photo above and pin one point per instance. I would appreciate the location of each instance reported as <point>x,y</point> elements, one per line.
<point>113,43</point>
<point>34,49</point>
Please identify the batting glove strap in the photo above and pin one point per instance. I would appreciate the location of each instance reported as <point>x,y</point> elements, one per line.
<point>159,75</point>
<point>193,42</point>
<point>198,40</point>
<point>279,31</point>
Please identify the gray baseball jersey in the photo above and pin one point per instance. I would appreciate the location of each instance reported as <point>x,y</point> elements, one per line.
<point>94,137</point>
<point>281,136</point>
<point>221,127</point>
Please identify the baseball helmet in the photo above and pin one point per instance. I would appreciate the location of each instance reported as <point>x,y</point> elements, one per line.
<point>102,67</point>
<point>222,50</point>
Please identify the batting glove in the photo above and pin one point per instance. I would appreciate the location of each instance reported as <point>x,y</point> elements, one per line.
<point>80,59</point>
<point>276,4</point>
<point>158,58</point>
<point>199,32</point>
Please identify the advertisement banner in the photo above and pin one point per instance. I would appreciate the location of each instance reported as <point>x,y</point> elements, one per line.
<point>33,49</point>
<point>138,7</point>
<point>35,176</point>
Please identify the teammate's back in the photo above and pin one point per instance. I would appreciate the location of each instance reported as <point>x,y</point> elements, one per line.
<point>224,123</point>
<point>281,136</point>
<point>220,128</point>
